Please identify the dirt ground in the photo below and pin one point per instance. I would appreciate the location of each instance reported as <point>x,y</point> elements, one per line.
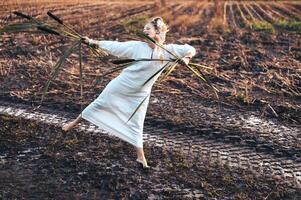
<point>42,162</point>
<point>256,64</point>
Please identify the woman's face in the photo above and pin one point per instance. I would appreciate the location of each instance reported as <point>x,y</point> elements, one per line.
<point>149,30</point>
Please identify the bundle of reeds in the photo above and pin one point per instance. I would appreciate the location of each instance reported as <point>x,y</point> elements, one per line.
<point>58,28</point>
<point>61,29</point>
<point>195,68</point>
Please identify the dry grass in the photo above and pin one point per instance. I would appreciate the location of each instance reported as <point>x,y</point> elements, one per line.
<point>249,66</point>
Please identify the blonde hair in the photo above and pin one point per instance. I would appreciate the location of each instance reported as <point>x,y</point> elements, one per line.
<point>160,27</point>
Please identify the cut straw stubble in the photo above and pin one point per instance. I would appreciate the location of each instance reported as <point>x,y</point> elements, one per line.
<point>66,31</point>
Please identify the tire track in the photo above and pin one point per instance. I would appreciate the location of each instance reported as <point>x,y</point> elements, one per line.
<point>193,146</point>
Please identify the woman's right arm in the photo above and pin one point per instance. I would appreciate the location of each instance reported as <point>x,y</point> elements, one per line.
<point>116,48</point>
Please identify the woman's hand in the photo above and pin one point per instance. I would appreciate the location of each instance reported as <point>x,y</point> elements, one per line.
<point>86,40</point>
<point>185,60</point>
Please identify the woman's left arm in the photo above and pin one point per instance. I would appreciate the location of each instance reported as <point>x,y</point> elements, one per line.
<point>185,51</point>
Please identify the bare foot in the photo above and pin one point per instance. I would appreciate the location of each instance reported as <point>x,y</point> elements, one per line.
<point>68,126</point>
<point>143,162</point>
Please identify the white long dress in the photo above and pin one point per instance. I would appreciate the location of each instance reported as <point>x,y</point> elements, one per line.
<point>113,107</point>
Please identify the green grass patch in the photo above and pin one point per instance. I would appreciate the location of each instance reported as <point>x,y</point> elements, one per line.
<point>291,26</point>
<point>294,26</point>
<point>262,26</point>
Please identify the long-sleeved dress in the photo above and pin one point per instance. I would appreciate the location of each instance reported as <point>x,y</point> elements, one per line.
<point>113,107</point>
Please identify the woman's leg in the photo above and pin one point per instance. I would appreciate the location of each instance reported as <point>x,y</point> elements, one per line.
<point>141,157</point>
<point>71,124</point>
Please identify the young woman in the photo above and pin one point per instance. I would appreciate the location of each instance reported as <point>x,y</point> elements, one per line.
<point>116,103</point>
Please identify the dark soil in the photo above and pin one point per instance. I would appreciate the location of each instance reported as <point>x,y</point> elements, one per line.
<point>256,72</point>
<point>41,162</point>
